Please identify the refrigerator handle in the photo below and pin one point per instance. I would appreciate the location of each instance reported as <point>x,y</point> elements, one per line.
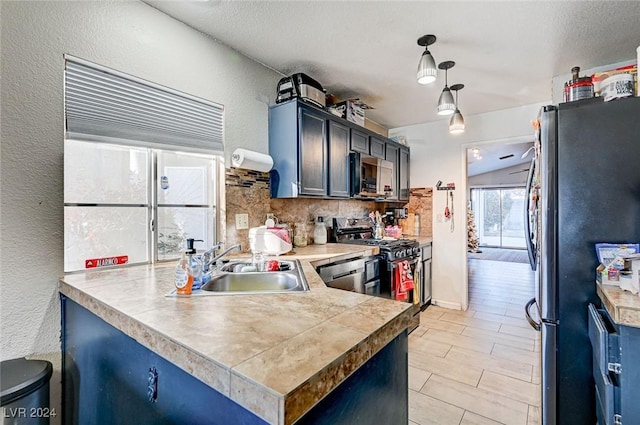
<point>535,325</point>
<point>527,218</point>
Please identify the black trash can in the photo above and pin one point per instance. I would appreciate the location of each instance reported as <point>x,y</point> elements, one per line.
<point>24,396</point>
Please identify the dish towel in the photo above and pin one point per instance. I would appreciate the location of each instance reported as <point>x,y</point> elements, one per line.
<point>403,281</point>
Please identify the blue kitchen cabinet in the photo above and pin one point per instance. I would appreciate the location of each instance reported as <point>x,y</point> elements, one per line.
<point>359,141</point>
<point>310,152</point>
<point>378,147</point>
<point>616,368</point>
<point>110,378</point>
<point>392,153</point>
<point>403,174</point>
<point>338,142</point>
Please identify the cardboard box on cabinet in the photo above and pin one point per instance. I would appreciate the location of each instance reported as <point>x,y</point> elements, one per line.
<point>352,111</point>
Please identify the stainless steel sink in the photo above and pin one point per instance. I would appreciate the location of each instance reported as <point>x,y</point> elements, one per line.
<point>227,281</point>
<point>236,266</point>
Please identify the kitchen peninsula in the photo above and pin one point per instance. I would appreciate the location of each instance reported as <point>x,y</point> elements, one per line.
<point>132,355</point>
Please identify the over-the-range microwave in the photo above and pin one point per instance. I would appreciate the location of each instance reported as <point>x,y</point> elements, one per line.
<point>370,177</point>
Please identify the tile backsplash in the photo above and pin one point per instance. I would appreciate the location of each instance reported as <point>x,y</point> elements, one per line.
<point>247,192</point>
<point>420,202</point>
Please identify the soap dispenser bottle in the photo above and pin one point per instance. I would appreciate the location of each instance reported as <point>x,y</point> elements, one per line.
<point>183,278</point>
<point>195,262</point>
<point>320,232</point>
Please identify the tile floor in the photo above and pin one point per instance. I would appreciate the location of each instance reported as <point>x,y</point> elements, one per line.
<point>480,366</point>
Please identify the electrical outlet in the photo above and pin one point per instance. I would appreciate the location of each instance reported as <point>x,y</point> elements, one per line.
<point>242,221</point>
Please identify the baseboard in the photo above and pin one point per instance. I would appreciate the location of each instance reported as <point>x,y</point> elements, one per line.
<point>446,304</point>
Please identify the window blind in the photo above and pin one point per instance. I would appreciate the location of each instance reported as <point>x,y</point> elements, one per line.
<point>109,106</point>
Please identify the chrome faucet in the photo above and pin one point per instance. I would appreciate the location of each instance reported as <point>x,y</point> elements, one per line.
<point>213,260</point>
<point>206,256</point>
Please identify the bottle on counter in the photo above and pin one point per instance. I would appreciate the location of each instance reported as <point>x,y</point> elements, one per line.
<point>378,230</point>
<point>183,278</point>
<point>320,232</point>
<point>196,264</point>
<point>300,235</point>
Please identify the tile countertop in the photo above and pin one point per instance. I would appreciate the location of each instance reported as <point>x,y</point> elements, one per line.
<point>623,306</point>
<point>275,354</point>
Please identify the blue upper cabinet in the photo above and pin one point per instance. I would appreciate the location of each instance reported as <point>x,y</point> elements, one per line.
<point>338,142</point>
<point>403,174</point>
<point>359,141</point>
<point>310,152</point>
<point>378,147</point>
<point>310,149</point>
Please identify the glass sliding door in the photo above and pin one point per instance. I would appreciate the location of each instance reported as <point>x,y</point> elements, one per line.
<point>499,216</point>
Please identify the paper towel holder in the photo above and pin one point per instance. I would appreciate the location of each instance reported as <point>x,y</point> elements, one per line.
<point>251,160</point>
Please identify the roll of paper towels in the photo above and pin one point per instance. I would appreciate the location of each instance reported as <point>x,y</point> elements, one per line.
<point>243,158</point>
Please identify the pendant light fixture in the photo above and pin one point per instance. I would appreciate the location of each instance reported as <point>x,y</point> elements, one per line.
<point>456,125</point>
<point>446,105</point>
<point>427,71</point>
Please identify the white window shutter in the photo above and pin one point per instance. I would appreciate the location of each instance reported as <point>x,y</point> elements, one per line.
<point>108,106</point>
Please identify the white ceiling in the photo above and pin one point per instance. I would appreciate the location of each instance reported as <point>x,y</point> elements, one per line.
<point>506,52</point>
<point>492,157</point>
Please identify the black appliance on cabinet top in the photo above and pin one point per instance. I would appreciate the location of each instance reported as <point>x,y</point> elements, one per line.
<point>301,86</point>
<point>584,188</point>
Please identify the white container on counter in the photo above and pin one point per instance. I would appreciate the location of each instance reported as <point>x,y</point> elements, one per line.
<point>267,241</point>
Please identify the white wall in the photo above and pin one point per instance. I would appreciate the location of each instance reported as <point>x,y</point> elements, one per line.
<point>438,155</point>
<point>130,37</point>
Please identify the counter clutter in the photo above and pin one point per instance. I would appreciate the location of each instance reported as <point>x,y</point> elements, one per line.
<point>276,355</point>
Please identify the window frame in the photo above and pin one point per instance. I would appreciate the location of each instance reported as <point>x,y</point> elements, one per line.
<point>217,196</point>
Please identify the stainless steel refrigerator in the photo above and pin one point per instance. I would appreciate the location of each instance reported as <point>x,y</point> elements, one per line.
<point>584,188</point>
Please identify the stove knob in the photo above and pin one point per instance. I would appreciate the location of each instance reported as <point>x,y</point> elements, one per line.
<point>398,254</point>
<point>416,250</point>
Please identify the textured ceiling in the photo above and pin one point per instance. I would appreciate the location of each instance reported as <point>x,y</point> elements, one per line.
<point>506,52</point>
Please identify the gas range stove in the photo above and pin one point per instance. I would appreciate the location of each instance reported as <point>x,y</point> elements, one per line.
<point>391,249</point>
<point>360,231</point>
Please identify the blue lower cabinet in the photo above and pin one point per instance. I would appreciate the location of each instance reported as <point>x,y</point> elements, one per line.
<point>109,378</point>
<point>377,393</point>
<point>616,369</point>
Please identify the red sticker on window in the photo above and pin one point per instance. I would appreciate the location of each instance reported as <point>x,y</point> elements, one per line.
<point>106,261</point>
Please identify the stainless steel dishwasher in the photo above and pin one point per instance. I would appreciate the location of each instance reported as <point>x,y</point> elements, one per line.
<point>360,275</point>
